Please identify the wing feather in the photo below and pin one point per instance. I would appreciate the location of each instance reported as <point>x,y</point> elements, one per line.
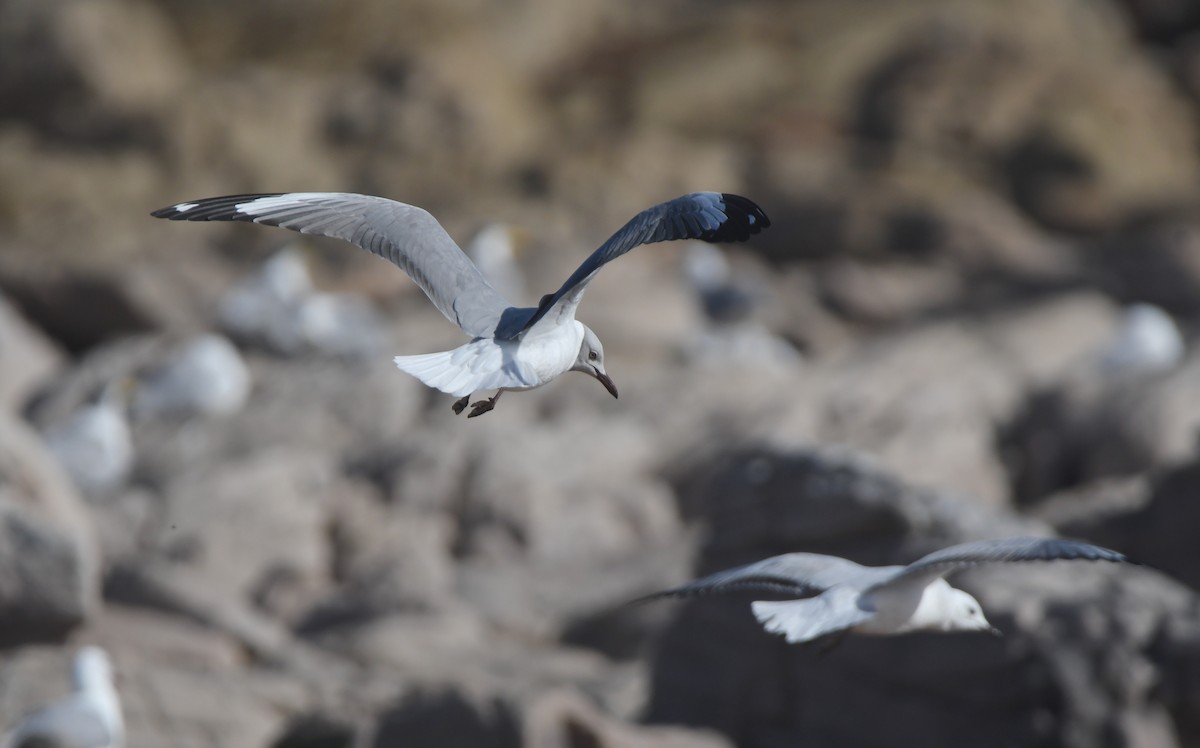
<point>406,235</point>
<point>1006,550</point>
<point>795,574</point>
<point>706,216</point>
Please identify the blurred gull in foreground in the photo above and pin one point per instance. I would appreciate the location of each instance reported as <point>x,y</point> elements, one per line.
<point>205,376</point>
<point>844,596</point>
<point>94,444</point>
<point>279,309</point>
<point>1146,341</point>
<point>511,348</point>
<point>88,718</point>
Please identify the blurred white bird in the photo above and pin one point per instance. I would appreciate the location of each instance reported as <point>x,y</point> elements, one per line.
<point>204,376</point>
<point>1146,341</point>
<point>279,308</point>
<point>732,334</point>
<point>707,271</point>
<point>89,718</point>
<point>94,444</point>
<point>494,251</point>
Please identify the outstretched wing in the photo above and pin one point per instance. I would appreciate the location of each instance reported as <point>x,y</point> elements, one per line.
<point>794,574</point>
<point>707,216</point>
<point>1007,550</point>
<point>405,234</point>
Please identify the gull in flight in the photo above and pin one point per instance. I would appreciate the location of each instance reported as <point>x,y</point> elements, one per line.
<point>88,718</point>
<point>832,595</point>
<point>511,348</point>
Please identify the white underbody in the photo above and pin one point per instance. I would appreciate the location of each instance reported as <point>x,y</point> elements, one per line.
<point>889,610</point>
<point>906,608</point>
<point>538,357</point>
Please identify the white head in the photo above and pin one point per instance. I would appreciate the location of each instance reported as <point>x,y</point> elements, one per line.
<point>591,360</point>
<point>962,612</point>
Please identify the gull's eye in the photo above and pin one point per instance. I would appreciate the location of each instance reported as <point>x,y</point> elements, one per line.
<point>592,355</point>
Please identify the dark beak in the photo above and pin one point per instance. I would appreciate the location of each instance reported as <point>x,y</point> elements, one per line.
<point>994,631</point>
<point>607,382</point>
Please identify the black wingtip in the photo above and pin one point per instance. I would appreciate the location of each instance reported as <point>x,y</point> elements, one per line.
<point>222,208</point>
<point>744,218</point>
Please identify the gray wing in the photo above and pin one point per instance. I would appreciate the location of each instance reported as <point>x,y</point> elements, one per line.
<point>69,723</point>
<point>1007,550</point>
<point>794,574</point>
<point>707,216</point>
<point>407,235</point>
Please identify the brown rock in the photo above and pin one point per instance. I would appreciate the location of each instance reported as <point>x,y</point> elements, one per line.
<point>50,569</point>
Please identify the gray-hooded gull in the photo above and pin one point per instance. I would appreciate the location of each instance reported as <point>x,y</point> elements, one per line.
<point>832,595</point>
<point>89,718</point>
<point>511,348</point>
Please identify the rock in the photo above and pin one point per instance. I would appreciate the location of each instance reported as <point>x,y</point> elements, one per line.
<point>1074,668</point>
<point>210,535</point>
<point>386,559</point>
<point>1148,520</point>
<point>315,731</point>
<point>1154,261</point>
<point>563,718</point>
<point>101,69</point>
<point>50,573</point>
<point>1162,21</point>
<point>917,409</point>
<point>448,718</point>
<point>1101,424</point>
<point>80,312</point>
<point>26,358</point>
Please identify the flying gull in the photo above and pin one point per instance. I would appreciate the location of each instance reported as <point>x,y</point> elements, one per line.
<point>88,718</point>
<point>511,348</point>
<point>841,596</point>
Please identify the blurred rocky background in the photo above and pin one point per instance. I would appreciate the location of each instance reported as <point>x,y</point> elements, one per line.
<point>975,315</point>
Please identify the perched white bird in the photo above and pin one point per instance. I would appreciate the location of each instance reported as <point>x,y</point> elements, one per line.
<point>511,348</point>
<point>205,376</point>
<point>1146,341</point>
<point>840,595</point>
<point>280,309</point>
<point>708,273</point>
<point>494,252</point>
<point>94,444</point>
<point>89,718</point>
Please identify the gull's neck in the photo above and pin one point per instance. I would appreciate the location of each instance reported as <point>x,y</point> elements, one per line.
<point>935,610</point>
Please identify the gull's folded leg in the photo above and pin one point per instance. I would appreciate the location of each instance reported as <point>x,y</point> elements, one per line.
<point>483,406</point>
<point>460,404</point>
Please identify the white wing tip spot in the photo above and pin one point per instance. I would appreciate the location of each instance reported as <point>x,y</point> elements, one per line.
<point>184,207</point>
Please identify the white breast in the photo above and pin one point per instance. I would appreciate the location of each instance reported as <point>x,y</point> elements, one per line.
<point>552,351</point>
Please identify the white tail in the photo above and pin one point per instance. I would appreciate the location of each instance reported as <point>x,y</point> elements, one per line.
<point>805,620</point>
<point>474,367</point>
